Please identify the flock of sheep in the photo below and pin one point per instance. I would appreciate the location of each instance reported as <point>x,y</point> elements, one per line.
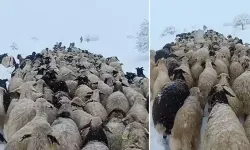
<point>73,99</point>
<point>200,75</point>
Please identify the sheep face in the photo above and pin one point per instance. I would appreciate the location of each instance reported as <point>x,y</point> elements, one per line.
<point>96,132</point>
<point>218,95</point>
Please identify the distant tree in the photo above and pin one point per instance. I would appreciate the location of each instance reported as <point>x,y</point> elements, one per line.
<point>168,31</point>
<point>241,20</point>
<point>142,37</point>
<point>14,46</point>
<point>89,38</point>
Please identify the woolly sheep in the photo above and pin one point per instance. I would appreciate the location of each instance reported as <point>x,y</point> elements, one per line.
<point>14,83</point>
<point>220,66</point>
<point>186,130</point>
<point>117,100</point>
<point>161,79</point>
<point>72,86</point>
<point>235,69</point>
<point>131,94</point>
<point>196,70</point>
<point>65,129</point>
<point>117,127</point>
<point>135,135</point>
<point>22,113</point>
<point>95,108</point>
<point>38,128</point>
<point>106,90</point>
<point>201,54</point>
<point>27,90</point>
<point>137,112</point>
<point>168,102</point>
<point>207,80</point>
<point>221,125</point>
<point>187,72</point>
<point>241,87</point>
<point>83,92</point>
<point>247,127</point>
<point>81,118</point>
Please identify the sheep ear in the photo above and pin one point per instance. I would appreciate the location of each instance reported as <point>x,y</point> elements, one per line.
<point>228,91</point>
<point>124,85</point>
<point>107,129</point>
<point>213,64</point>
<point>25,136</point>
<point>53,140</point>
<point>18,90</point>
<point>146,131</point>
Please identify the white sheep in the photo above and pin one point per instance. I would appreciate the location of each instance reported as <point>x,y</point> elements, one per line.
<point>65,129</point>
<point>207,80</point>
<point>131,95</point>
<point>186,130</point>
<point>187,75</point>
<point>83,92</point>
<point>117,100</point>
<point>95,145</point>
<point>196,70</point>
<point>224,130</point>
<point>220,66</point>
<point>162,78</point>
<point>241,87</point>
<point>116,126</point>
<point>135,135</point>
<point>37,132</point>
<point>235,69</point>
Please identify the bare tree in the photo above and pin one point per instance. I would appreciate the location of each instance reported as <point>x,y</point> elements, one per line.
<point>241,20</point>
<point>14,46</point>
<point>142,37</point>
<point>168,31</point>
<point>89,38</point>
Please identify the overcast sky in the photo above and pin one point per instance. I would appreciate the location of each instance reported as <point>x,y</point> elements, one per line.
<point>193,13</point>
<point>63,20</point>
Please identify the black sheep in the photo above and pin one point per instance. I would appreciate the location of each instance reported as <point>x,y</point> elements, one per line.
<point>130,76</point>
<point>2,56</point>
<point>82,80</point>
<point>140,72</point>
<point>6,95</point>
<point>2,139</point>
<point>14,71</point>
<point>163,53</point>
<point>31,57</point>
<point>218,94</point>
<point>168,102</point>
<point>96,134</point>
<point>3,83</point>
<point>55,85</point>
